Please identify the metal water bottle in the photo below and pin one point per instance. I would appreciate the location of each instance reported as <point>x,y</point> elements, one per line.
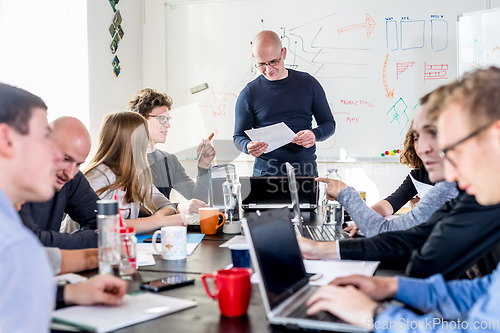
<point>108,223</point>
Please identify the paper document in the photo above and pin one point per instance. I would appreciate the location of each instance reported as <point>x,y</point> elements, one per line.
<point>234,240</point>
<point>332,269</point>
<point>275,136</point>
<point>71,278</point>
<point>145,259</point>
<point>135,309</point>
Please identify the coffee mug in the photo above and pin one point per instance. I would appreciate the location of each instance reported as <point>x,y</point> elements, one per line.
<point>173,242</point>
<point>232,289</point>
<point>240,255</point>
<point>209,220</point>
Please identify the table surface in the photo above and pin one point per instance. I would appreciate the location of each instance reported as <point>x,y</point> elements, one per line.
<point>205,317</point>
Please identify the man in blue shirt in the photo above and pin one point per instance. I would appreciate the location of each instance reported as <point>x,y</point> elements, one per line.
<point>469,139</point>
<point>27,162</point>
<point>281,95</point>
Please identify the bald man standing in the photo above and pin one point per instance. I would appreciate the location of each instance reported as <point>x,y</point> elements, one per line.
<point>281,95</point>
<point>73,196</point>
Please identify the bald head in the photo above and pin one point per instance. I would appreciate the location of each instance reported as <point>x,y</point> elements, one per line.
<point>269,55</point>
<point>266,39</point>
<point>72,139</point>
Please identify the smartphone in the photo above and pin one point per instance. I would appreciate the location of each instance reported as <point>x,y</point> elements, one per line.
<point>168,282</point>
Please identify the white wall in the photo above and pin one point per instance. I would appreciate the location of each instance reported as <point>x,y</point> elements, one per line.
<point>44,50</point>
<point>108,93</point>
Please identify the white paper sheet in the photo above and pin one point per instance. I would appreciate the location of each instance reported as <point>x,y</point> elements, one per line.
<point>234,240</point>
<point>145,259</point>
<point>275,136</point>
<point>332,269</point>
<point>71,278</point>
<point>135,309</point>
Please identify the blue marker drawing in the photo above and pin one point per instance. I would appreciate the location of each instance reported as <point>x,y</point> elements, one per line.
<point>399,115</point>
<point>412,34</point>
<point>391,35</point>
<point>438,27</point>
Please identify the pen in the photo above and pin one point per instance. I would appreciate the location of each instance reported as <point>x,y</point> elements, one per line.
<point>203,146</point>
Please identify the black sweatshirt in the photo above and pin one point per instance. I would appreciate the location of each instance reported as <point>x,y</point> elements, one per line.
<point>455,237</point>
<point>78,200</point>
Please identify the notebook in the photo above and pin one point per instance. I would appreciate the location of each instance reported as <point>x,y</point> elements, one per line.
<point>135,309</point>
<point>283,281</point>
<point>273,192</point>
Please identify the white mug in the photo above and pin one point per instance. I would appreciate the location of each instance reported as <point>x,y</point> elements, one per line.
<point>173,242</point>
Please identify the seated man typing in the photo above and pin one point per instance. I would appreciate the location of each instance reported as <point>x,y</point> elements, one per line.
<point>423,244</point>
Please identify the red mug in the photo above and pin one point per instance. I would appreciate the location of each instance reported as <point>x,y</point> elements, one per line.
<point>233,290</point>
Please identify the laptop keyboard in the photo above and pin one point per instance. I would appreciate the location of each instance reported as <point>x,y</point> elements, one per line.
<point>322,233</point>
<point>301,313</point>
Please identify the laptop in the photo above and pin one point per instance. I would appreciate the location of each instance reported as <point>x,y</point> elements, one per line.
<point>283,281</point>
<point>259,193</point>
<point>320,233</point>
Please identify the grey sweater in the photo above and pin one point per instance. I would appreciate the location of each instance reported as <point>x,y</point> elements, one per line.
<point>180,181</point>
<point>370,223</point>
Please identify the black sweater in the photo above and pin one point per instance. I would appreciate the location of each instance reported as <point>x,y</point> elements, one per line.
<point>455,237</point>
<point>78,200</point>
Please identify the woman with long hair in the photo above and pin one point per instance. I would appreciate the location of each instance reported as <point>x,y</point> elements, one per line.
<point>120,168</point>
<point>415,185</point>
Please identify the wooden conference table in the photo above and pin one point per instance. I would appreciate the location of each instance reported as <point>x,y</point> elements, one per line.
<point>205,317</point>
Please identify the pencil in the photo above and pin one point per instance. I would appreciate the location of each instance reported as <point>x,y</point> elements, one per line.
<point>203,146</point>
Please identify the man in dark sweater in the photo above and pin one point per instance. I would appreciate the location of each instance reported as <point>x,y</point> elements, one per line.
<point>281,95</point>
<point>74,196</point>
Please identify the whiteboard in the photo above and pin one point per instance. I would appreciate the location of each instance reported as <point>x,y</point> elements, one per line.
<point>374,60</point>
<point>478,40</point>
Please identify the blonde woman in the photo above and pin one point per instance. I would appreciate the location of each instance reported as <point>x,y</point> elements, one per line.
<point>120,168</point>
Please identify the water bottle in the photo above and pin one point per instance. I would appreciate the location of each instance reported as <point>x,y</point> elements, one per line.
<point>333,212</point>
<point>128,246</point>
<point>108,223</point>
<point>232,204</point>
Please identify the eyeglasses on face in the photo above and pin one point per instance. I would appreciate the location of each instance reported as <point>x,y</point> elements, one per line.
<point>271,63</point>
<point>444,153</point>
<point>162,120</point>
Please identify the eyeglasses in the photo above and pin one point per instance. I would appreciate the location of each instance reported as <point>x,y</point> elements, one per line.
<point>271,63</point>
<point>162,120</point>
<point>443,153</point>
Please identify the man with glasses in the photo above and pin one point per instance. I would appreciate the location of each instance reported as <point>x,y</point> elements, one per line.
<point>168,172</point>
<point>281,95</point>
<point>469,136</point>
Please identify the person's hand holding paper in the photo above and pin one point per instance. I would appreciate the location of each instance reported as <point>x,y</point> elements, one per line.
<point>274,136</point>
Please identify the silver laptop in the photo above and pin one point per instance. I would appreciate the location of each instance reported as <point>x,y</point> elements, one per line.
<point>320,233</point>
<point>283,281</point>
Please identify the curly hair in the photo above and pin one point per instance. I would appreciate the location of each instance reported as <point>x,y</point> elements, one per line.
<point>408,155</point>
<point>146,100</point>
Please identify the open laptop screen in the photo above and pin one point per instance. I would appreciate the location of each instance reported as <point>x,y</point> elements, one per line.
<point>268,192</point>
<point>278,254</point>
